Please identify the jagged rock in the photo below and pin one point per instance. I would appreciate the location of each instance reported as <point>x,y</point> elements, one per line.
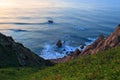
<point>13,54</point>
<point>70,56</point>
<point>102,43</point>
<point>98,41</point>
<point>59,43</point>
<point>64,49</point>
<point>77,52</point>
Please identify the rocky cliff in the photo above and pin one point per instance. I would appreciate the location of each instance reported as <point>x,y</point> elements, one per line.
<point>100,44</point>
<point>15,54</point>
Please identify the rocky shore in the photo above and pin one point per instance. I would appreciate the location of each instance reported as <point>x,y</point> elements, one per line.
<point>100,44</point>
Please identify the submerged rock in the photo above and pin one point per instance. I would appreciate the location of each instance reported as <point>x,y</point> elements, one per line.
<point>82,46</point>
<point>59,43</point>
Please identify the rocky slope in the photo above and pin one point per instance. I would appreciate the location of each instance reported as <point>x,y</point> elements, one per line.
<point>15,54</point>
<point>100,44</point>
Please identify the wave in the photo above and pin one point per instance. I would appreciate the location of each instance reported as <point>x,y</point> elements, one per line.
<point>51,51</point>
<point>91,40</point>
<point>22,23</point>
<point>29,23</point>
<point>18,30</point>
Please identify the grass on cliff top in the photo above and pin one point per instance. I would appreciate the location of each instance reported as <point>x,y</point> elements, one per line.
<point>101,66</point>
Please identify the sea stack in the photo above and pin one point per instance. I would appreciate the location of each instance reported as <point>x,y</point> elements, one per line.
<point>59,43</point>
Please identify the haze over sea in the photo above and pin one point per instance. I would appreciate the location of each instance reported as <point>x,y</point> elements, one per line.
<point>75,22</point>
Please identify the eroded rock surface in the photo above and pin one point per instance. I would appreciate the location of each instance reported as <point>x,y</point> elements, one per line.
<point>113,40</point>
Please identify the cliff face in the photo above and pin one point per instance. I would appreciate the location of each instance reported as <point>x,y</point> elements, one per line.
<point>104,43</point>
<point>98,45</point>
<point>15,54</point>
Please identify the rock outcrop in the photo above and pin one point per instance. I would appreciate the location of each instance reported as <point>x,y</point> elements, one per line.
<point>70,56</point>
<point>50,21</point>
<point>15,54</point>
<point>77,52</point>
<point>102,43</point>
<point>59,43</point>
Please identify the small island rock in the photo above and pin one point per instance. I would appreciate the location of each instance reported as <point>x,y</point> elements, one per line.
<point>59,43</point>
<point>50,21</point>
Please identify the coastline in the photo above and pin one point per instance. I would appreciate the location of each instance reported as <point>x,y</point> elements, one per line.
<point>64,53</point>
<point>100,44</point>
<point>54,52</point>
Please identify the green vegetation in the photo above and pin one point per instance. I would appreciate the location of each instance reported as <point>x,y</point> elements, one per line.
<point>101,66</point>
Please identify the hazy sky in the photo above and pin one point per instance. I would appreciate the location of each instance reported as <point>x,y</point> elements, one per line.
<point>34,3</point>
<point>22,3</point>
<point>48,3</point>
<point>14,2</point>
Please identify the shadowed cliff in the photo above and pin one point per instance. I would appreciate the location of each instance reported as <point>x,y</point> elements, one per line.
<point>13,54</point>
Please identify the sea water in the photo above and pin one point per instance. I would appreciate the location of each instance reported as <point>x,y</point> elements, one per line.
<point>75,22</point>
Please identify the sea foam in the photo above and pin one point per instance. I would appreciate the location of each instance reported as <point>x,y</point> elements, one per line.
<point>51,51</point>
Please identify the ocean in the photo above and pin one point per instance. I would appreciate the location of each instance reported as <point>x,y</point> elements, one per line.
<point>75,22</point>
